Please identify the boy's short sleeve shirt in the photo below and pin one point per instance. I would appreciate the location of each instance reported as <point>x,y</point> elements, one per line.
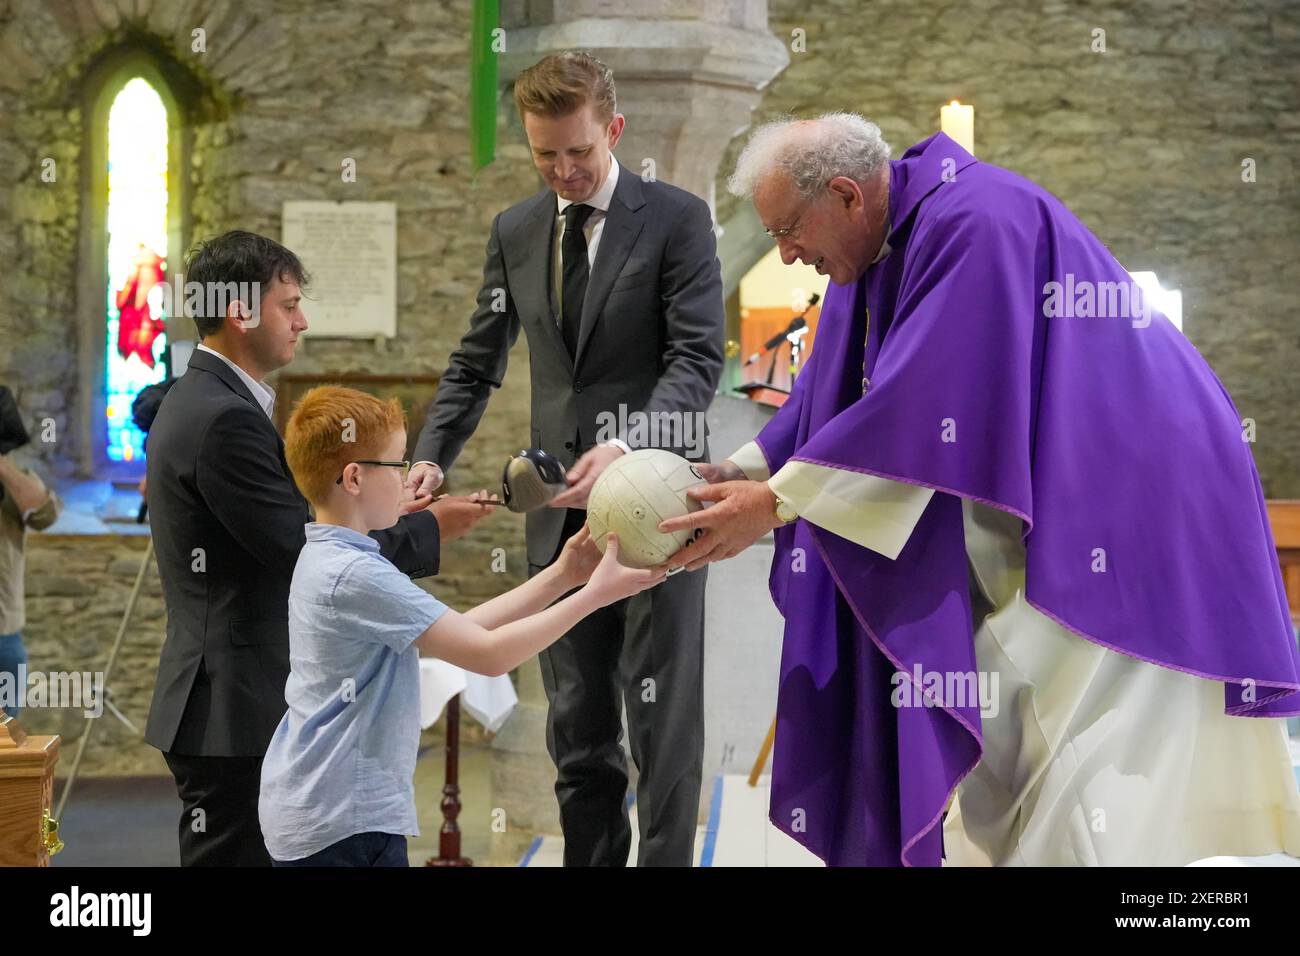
<point>342,759</point>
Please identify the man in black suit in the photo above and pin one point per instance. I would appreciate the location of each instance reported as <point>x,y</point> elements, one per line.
<point>227,522</point>
<point>616,281</point>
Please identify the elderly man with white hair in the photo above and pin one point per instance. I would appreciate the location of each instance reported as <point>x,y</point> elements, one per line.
<point>1021,548</point>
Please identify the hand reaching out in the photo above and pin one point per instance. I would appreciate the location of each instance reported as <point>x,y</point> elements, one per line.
<point>456,514</point>
<point>425,478</point>
<point>582,477</point>
<point>742,512</point>
<point>726,471</point>
<point>612,582</point>
<point>579,558</point>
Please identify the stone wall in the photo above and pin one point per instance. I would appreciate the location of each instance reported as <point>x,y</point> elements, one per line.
<point>1144,142</point>
<point>285,92</point>
<point>77,589</point>
<point>288,91</point>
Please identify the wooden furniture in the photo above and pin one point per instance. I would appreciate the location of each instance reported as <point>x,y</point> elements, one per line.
<point>764,394</point>
<point>760,764</point>
<point>449,836</point>
<point>28,835</point>
<point>1284,516</point>
<point>415,392</point>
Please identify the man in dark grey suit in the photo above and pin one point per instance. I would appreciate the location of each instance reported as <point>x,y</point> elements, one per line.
<point>616,282</point>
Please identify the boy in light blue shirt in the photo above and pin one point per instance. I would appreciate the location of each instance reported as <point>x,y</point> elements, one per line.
<point>337,780</point>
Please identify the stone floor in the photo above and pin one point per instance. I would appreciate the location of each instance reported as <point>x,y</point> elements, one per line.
<point>131,821</point>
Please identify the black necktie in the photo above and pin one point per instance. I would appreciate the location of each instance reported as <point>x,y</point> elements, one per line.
<point>573,251</point>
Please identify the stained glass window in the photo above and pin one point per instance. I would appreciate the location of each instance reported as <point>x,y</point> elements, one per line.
<point>137,259</point>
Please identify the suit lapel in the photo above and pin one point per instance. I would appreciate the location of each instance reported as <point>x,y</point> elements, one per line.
<point>534,283</point>
<point>211,363</point>
<point>207,362</point>
<point>623,223</point>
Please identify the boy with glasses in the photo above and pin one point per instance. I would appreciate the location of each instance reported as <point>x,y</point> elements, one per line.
<point>337,784</point>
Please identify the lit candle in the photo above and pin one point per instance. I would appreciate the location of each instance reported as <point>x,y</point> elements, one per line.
<point>958,122</point>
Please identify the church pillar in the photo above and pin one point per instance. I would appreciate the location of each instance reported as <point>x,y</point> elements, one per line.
<point>688,75</point>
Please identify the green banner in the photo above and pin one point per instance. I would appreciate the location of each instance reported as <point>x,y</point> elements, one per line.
<point>483,85</point>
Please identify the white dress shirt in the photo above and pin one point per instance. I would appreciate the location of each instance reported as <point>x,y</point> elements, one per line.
<point>592,229</point>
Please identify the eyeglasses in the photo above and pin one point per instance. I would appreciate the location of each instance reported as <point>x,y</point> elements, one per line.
<point>404,465</point>
<point>788,231</point>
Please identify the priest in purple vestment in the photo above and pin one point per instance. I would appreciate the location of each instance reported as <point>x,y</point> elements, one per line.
<point>1022,550</point>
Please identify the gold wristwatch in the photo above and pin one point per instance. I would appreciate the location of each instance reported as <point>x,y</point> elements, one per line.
<point>784,513</point>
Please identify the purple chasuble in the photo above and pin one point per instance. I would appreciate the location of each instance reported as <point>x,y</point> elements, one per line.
<point>1072,407</point>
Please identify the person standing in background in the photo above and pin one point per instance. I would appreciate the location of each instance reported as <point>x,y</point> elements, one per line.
<point>25,503</point>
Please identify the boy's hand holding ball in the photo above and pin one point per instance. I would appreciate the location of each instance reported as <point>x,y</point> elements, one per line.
<point>607,581</point>
<point>611,581</point>
<point>578,559</point>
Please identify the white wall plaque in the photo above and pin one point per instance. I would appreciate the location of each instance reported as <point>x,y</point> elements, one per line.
<point>350,251</point>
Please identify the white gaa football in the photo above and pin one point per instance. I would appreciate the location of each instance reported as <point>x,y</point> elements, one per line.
<point>634,494</point>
